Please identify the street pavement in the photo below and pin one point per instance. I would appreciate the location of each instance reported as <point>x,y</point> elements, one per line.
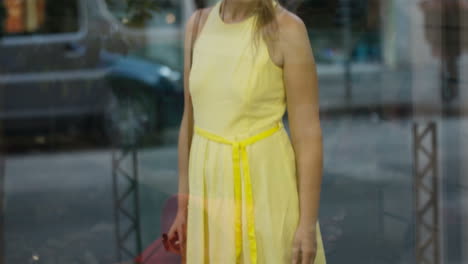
<point>59,205</point>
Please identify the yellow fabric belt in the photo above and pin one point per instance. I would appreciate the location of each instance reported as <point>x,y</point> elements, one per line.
<point>239,152</point>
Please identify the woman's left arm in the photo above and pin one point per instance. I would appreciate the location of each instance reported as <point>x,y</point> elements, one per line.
<point>300,79</point>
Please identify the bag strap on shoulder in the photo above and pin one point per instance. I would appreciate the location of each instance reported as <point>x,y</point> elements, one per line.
<point>194,33</point>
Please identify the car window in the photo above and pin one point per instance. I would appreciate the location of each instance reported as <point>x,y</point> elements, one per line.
<point>146,13</point>
<point>29,17</point>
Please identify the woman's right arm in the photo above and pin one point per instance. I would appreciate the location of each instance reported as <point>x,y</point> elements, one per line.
<point>186,126</point>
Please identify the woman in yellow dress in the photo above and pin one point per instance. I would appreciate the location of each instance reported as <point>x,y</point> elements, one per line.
<point>248,192</point>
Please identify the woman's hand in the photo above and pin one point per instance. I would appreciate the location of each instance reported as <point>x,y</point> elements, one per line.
<point>304,245</point>
<point>179,228</point>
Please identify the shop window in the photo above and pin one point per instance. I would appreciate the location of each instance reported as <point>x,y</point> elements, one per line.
<point>26,17</point>
<point>327,22</point>
<point>147,13</point>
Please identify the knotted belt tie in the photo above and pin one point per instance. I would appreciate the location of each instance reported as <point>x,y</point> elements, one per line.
<point>239,152</point>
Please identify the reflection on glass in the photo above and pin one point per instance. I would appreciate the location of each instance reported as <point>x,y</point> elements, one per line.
<point>146,13</point>
<point>80,111</point>
<point>40,16</point>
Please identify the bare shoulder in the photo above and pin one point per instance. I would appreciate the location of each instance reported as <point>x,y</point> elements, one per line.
<point>203,15</point>
<point>290,25</point>
<point>294,39</point>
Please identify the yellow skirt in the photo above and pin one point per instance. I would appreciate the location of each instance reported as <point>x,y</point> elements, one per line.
<point>244,204</point>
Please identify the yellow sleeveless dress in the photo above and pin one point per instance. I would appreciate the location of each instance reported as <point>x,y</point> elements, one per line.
<point>244,204</point>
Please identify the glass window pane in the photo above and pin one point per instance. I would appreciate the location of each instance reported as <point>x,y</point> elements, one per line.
<point>29,17</point>
<point>92,107</point>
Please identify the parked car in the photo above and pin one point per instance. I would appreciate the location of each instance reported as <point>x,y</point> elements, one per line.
<point>50,68</point>
<point>67,64</point>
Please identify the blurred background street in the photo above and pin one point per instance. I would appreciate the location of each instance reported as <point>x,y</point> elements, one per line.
<point>59,205</point>
<point>91,100</point>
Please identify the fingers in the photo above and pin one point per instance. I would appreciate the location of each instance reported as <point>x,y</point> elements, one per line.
<point>174,237</point>
<point>180,232</point>
<point>307,256</point>
<point>296,253</point>
<point>308,253</point>
<point>183,236</point>
<point>170,234</point>
<point>302,254</point>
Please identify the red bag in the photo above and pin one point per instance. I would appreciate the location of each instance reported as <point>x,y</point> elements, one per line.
<point>163,251</point>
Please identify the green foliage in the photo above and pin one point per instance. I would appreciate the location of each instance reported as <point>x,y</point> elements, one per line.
<point>136,13</point>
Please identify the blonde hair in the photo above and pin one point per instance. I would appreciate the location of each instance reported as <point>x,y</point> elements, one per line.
<point>266,25</point>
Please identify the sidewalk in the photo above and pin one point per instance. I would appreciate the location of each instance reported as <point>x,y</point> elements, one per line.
<point>382,91</point>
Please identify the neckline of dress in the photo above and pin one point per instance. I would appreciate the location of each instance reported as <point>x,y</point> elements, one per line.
<point>218,15</point>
